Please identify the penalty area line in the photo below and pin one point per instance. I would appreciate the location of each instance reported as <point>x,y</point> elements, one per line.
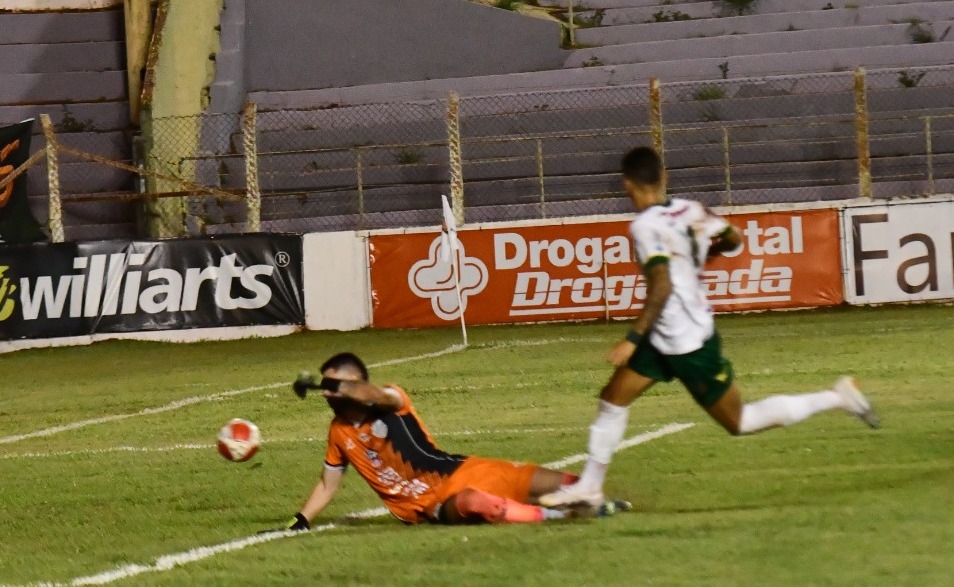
<point>171,561</point>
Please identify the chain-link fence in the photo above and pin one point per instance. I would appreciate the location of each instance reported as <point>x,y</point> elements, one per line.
<point>538,154</point>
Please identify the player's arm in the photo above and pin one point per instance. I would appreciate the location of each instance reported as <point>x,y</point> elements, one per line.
<point>727,240</point>
<point>321,495</point>
<point>361,391</point>
<point>659,288</point>
<point>385,399</point>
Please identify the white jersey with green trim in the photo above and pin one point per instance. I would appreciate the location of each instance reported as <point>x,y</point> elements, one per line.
<point>679,233</point>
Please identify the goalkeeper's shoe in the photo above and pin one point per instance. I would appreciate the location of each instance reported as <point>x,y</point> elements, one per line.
<point>572,494</point>
<point>855,401</point>
<point>611,507</point>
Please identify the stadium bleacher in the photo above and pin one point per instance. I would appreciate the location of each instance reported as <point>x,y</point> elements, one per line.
<point>71,65</point>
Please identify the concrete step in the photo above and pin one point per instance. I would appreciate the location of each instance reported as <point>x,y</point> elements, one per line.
<point>716,8</point>
<point>63,57</point>
<point>619,28</point>
<point>570,196</point>
<point>511,116</point>
<point>62,88</point>
<point>61,27</point>
<point>743,66</point>
<point>98,116</point>
<point>82,178</point>
<point>738,45</point>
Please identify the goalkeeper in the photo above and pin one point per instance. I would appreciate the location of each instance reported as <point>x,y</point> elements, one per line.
<point>377,432</point>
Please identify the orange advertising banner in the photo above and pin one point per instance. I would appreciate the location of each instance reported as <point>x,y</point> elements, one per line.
<point>584,271</point>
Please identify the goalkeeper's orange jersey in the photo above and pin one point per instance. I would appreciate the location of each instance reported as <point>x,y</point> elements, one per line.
<point>397,457</point>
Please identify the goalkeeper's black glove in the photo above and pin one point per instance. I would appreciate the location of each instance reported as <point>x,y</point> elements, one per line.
<point>303,383</point>
<point>307,381</point>
<point>296,524</point>
<point>299,522</point>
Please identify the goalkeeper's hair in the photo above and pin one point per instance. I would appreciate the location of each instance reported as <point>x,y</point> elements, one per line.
<point>346,361</point>
<point>643,166</point>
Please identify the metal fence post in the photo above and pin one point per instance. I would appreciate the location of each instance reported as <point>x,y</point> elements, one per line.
<point>359,172</point>
<point>540,178</point>
<point>572,25</point>
<point>456,160</point>
<point>862,137</point>
<point>655,116</point>
<point>53,179</point>
<point>726,163</point>
<point>253,192</point>
<point>929,154</point>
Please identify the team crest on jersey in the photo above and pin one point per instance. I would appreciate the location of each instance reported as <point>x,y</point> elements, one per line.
<point>364,437</point>
<point>349,444</point>
<point>379,429</point>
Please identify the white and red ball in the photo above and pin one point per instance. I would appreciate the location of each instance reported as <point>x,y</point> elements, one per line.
<point>239,440</point>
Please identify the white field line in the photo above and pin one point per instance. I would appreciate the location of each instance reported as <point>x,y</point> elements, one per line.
<point>175,405</point>
<point>628,443</point>
<point>178,447</point>
<point>171,561</point>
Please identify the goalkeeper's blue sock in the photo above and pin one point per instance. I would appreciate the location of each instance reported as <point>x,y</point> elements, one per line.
<point>605,434</point>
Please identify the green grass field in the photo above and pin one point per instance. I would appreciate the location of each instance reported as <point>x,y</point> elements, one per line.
<point>827,502</point>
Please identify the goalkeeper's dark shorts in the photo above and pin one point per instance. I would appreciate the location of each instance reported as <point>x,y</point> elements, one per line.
<point>705,372</point>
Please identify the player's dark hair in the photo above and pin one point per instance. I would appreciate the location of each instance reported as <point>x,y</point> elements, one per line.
<point>643,166</point>
<point>346,360</point>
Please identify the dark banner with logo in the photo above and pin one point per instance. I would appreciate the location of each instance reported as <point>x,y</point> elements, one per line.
<point>75,289</point>
<point>17,224</point>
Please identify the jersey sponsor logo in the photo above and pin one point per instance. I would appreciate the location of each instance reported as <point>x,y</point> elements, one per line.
<point>349,444</point>
<point>395,484</point>
<point>373,458</point>
<point>433,278</point>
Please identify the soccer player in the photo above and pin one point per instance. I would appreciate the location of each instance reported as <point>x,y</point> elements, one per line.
<point>675,336</point>
<point>377,432</point>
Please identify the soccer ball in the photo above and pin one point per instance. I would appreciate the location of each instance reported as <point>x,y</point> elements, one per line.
<point>239,440</point>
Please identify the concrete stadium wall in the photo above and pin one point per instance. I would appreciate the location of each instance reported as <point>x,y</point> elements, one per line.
<point>184,71</point>
<point>302,44</point>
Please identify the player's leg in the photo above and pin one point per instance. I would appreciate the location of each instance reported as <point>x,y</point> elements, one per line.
<point>475,506</point>
<point>710,379</point>
<point>784,410</point>
<point>547,481</point>
<point>606,432</point>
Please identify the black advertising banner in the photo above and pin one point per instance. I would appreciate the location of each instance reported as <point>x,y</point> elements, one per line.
<point>17,224</point>
<point>75,289</point>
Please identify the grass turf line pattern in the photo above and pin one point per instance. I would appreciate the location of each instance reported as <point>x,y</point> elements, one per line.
<point>171,561</point>
<point>175,405</point>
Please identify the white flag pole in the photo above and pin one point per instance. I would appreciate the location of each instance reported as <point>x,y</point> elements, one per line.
<point>450,238</point>
<point>460,299</point>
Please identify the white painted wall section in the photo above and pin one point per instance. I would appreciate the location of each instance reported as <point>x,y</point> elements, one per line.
<point>337,291</point>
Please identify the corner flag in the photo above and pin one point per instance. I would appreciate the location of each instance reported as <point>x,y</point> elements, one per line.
<point>449,254</point>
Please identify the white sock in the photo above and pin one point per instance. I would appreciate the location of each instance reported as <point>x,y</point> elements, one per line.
<point>605,434</point>
<point>785,410</point>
